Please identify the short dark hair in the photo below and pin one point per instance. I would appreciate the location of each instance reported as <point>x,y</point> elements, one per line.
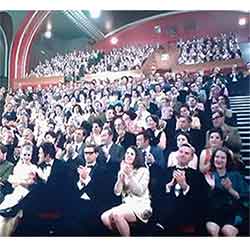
<point>216,130</point>
<point>51,133</point>
<point>49,149</point>
<point>221,114</point>
<point>91,145</point>
<point>184,134</point>
<point>189,146</point>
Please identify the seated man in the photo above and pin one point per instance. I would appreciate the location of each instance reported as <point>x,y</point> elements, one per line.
<point>89,194</point>
<point>182,195</point>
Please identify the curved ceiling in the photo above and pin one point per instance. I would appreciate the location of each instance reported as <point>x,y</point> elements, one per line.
<point>76,24</point>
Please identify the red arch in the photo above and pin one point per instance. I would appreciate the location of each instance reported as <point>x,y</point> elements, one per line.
<point>22,43</point>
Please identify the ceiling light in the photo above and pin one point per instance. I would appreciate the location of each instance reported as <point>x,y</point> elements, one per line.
<point>242,21</point>
<point>114,40</point>
<point>49,26</point>
<point>95,13</point>
<point>164,57</point>
<point>48,34</point>
<point>108,25</point>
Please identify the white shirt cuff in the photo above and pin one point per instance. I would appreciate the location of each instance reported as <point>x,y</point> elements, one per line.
<point>187,190</point>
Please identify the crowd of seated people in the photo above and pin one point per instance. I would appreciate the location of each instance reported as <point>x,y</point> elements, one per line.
<point>206,49</point>
<point>77,63</point>
<point>106,156</point>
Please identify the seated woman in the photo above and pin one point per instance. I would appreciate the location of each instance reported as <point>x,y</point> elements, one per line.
<point>132,184</point>
<point>215,140</point>
<point>182,138</point>
<point>226,190</point>
<point>24,175</point>
<point>159,133</point>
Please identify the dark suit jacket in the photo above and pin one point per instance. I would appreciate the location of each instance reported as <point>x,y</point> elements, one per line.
<point>98,194</point>
<point>184,209</point>
<point>49,196</point>
<point>159,156</point>
<point>116,154</point>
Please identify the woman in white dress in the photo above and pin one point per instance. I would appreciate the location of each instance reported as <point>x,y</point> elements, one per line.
<point>132,185</point>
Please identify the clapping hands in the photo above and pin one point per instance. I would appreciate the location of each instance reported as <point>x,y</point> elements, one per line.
<point>226,183</point>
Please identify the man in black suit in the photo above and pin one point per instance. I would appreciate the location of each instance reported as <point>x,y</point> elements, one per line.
<point>110,152</point>
<point>90,193</point>
<point>182,195</point>
<point>123,137</point>
<point>153,154</point>
<point>197,137</point>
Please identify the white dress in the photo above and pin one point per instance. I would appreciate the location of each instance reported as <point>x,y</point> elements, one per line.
<point>136,194</point>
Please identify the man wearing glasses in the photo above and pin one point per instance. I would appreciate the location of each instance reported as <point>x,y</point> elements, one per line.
<point>89,195</point>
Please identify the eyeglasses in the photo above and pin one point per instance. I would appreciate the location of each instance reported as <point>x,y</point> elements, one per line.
<point>216,117</point>
<point>89,153</point>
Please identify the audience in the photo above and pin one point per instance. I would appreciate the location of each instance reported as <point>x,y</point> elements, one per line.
<point>161,117</point>
<point>206,49</point>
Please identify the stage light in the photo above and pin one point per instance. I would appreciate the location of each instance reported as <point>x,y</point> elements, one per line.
<point>164,57</point>
<point>49,26</point>
<point>108,25</point>
<point>48,34</point>
<point>114,40</point>
<point>242,21</point>
<point>95,13</point>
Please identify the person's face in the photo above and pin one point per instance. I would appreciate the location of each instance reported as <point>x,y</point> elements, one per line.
<point>90,155</point>
<point>184,156</point>
<point>140,141</point>
<point>130,156</point>
<point>215,107</point>
<point>2,156</point>
<point>41,155</point>
<point>78,136</point>
<point>27,135</point>
<point>184,111</point>
<point>7,136</point>
<point>181,139</point>
<point>96,128</point>
<point>183,122</point>
<point>110,114</point>
<point>58,110</point>
<point>126,119</point>
<point>215,140</point>
<point>26,156</point>
<point>105,137</point>
<point>50,139</point>
<point>119,126</point>
<point>220,160</point>
<point>192,102</point>
<point>151,123</point>
<point>217,120</point>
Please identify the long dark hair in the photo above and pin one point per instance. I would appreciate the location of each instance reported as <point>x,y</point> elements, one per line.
<point>229,164</point>
<point>139,159</point>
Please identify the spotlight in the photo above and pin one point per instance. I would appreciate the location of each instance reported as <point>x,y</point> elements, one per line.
<point>49,26</point>
<point>48,34</point>
<point>242,21</point>
<point>95,13</point>
<point>114,40</point>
